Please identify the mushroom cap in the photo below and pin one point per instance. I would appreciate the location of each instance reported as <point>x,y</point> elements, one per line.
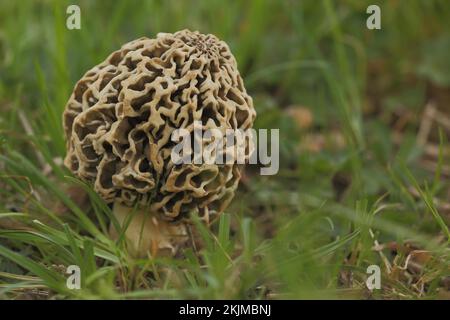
<point>119,120</point>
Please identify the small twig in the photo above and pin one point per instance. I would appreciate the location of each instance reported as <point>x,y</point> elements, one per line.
<point>29,131</point>
<point>31,191</point>
<point>442,119</point>
<point>192,239</point>
<point>382,256</point>
<point>425,125</point>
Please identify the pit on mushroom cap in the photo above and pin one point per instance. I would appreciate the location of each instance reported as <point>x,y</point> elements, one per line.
<point>120,117</point>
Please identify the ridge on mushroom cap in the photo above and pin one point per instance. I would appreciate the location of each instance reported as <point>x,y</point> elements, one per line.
<point>121,114</point>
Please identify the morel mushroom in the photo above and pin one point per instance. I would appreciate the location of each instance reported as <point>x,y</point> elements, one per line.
<point>118,124</point>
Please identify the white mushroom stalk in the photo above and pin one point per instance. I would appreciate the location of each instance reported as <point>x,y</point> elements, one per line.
<point>119,121</point>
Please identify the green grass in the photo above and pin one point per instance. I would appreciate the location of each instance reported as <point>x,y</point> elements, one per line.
<point>310,231</point>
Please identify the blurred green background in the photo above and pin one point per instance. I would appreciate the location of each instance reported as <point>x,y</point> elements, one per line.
<point>365,162</point>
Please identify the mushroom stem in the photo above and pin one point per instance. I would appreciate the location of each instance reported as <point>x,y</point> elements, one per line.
<point>146,233</point>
